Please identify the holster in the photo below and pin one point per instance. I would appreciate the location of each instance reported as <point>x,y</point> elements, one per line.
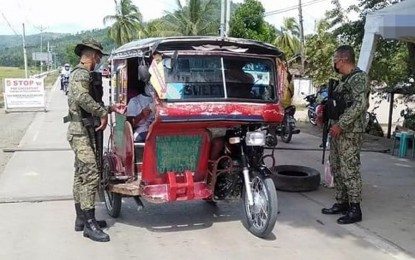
<point>72,118</point>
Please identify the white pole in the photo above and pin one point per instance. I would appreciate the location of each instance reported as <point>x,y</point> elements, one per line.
<point>228,16</point>
<point>300,13</point>
<point>48,65</point>
<point>41,48</point>
<point>222,18</point>
<point>24,52</point>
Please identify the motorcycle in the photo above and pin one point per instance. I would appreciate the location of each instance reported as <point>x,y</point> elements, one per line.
<point>312,105</point>
<point>311,108</point>
<point>65,84</point>
<point>288,126</point>
<point>174,162</point>
<point>373,127</point>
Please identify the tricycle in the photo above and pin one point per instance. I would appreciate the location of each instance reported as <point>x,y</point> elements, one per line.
<point>214,107</point>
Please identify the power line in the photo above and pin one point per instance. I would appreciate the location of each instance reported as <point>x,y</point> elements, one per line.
<point>291,8</point>
<point>7,21</point>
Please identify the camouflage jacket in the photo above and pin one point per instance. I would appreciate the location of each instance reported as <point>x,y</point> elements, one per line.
<point>78,97</point>
<point>355,90</point>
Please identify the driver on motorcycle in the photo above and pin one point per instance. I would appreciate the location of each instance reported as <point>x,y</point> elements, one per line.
<point>65,74</point>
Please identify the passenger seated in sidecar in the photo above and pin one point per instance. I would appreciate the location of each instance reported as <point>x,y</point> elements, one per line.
<point>239,83</point>
<point>140,113</point>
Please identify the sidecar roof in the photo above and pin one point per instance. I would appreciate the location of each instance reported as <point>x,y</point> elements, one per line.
<point>145,47</point>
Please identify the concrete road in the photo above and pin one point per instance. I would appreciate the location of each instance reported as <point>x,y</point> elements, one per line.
<point>37,212</point>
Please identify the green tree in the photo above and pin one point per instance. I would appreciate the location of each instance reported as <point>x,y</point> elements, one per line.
<point>155,28</point>
<point>126,22</point>
<point>288,37</point>
<point>197,17</point>
<point>392,62</point>
<point>69,55</point>
<point>248,22</point>
<point>320,48</point>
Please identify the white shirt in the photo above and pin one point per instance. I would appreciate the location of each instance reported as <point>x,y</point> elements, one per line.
<point>134,107</point>
<point>65,72</point>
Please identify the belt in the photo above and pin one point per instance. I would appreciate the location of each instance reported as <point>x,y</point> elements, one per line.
<point>72,118</point>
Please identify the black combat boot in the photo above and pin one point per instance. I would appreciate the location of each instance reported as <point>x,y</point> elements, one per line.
<point>337,208</point>
<point>91,228</point>
<point>80,219</point>
<point>354,214</point>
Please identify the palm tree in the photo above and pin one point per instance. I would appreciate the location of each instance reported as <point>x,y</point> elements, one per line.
<point>288,37</point>
<point>196,18</point>
<point>338,16</point>
<point>126,22</point>
<point>320,48</point>
<point>155,28</point>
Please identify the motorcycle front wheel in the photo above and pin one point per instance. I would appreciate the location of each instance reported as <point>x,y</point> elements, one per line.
<point>261,217</point>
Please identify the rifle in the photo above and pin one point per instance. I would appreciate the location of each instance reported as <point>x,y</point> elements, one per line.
<point>326,126</point>
<point>91,122</point>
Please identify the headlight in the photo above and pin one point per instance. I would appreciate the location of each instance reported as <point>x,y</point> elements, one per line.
<point>255,138</point>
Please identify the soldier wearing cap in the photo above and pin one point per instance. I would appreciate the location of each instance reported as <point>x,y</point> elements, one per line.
<point>86,177</point>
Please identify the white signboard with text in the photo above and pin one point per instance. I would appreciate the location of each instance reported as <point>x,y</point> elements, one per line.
<point>24,93</point>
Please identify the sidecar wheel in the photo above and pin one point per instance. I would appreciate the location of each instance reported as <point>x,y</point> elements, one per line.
<point>112,200</point>
<point>260,218</point>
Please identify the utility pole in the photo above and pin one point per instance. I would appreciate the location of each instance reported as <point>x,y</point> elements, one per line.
<point>24,52</point>
<point>48,65</point>
<point>300,14</point>
<point>41,29</point>
<point>222,18</point>
<point>228,17</point>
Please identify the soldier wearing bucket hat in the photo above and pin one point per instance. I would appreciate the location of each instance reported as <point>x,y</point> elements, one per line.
<point>86,177</point>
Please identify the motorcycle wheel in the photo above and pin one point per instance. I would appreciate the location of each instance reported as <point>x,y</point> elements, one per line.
<point>311,118</point>
<point>260,218</point>
<point>112,200</point>
<point>286,133</point>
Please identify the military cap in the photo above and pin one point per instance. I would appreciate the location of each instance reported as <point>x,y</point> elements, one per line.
<point>89,43</point>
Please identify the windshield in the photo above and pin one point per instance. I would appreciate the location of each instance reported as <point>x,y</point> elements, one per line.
<point>215,77</point>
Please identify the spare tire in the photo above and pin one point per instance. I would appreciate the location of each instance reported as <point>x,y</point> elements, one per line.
<point>295,178</point>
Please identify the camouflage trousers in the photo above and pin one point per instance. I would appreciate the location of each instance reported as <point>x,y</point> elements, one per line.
<point>345,167</point>
<point>86,177</point>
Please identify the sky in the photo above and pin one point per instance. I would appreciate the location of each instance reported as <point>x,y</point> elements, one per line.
<point>77,15</point>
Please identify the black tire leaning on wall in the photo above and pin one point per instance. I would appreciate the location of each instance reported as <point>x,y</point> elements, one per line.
<point>295,178</point>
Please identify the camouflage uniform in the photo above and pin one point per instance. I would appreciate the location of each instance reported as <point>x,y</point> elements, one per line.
<point>345,150</point>
<point>86,177</point>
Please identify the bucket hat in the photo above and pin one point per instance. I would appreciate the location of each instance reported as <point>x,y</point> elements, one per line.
<point>89,43</point>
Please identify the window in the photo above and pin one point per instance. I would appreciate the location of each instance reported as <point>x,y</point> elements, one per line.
<point>215,77</point>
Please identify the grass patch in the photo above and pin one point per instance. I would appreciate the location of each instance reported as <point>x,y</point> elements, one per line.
<point>51,79</point>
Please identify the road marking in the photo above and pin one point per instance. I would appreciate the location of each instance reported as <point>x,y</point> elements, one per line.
<point>35,136</point>
<point>11,200</point>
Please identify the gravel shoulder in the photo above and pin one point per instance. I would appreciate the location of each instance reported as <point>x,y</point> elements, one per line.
<point>12,128</point>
